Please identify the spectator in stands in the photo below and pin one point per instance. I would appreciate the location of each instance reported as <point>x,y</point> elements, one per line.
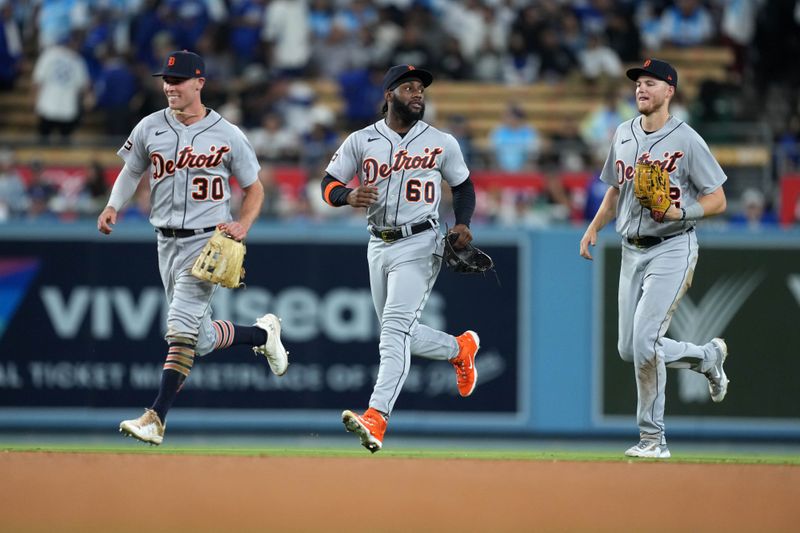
<point>412,50</point>
<point>286,30</point>
<point>95,191</point>
<point>116,86</point>
<point>56,19</point>
<point>387,34</point>
<point>187,20</point>
<point>10,46</point>
<point>686,23</point>
<point>598,127</point>
<point>41,193</point>
<point>754,214</point>
<point>787,147</point>
<point>520,67</point>
<point>62,86</point>
<point>13,196</point>
<point>566,150</point>
<point>557,61</point>
<point>273,142</point>
<point>738,27</point>
<point>488,65</point>
<point>599,62</point>
<point>623,36</point>
<point>459,127</point>
<point>246,20</point>
<point>231,109</point>
<point>515,143</point>
<point>356,15</point>
<point>319,144</point>
<point>648,22</point>
<point>330,56</point>
<point>275,205</point>
<point>451,63</point>
<point>148,22</point>
<point>320,19</point>
<point>362,92</point>
<point>573,36</point>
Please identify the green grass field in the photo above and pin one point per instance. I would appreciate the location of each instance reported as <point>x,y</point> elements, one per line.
<point>738,458</point>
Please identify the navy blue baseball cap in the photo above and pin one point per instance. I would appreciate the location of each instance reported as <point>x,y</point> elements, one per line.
<point>400,73</point>
<point>183,64</point>
<point>656,68</point>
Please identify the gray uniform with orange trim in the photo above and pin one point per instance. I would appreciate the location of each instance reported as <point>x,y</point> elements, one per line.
<point>190,171</point>
<point>653,278</point>
<point>408,172</point>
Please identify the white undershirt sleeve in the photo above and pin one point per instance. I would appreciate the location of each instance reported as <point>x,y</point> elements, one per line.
<point>124,187</point>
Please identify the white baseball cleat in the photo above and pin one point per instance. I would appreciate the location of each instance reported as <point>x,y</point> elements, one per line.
<point>717,379</point>
<point>648,449</point>
<point>273,350</point>
<point>147,428</point>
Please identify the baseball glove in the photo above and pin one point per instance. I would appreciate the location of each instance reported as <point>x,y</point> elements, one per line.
<point>221,261</point>
<point>468,260</point>
<point>651,188</point>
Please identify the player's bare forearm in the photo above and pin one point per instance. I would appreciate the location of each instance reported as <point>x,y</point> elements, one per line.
<point>251,207</point>
<point>106,219</point>
<point>363,196</point>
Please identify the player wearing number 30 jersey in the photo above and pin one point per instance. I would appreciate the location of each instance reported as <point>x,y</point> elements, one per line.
<point>190,153</point>
<point>400,162</point>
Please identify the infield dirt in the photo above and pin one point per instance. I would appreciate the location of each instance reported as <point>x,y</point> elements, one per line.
<point>94,492</point>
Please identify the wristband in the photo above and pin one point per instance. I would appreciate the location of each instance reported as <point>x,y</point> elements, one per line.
<point>693,212</point>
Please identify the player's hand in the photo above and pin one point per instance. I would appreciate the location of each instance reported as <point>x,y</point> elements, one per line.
<point>672,213</point>
<point>363,196</point>
<point>235,229</point>
<point>464,236</point>
<point>107,219</point>
<point>589,238</point>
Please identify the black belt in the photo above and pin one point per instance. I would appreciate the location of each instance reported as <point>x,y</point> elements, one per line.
<point>395,234</point>
<point>648,240</point>
<point>181,233</point>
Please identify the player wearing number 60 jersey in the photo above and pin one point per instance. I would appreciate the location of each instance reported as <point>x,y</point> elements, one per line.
<point>400,162</point>
<point>190,154</point>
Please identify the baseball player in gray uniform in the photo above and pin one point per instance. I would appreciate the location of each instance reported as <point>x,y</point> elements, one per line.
<point>191,153</point>
<point>658,259</point>
<point>400,162</point>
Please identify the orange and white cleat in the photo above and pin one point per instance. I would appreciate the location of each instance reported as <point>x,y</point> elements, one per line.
<point>369,427</point>
<point>464,362</point>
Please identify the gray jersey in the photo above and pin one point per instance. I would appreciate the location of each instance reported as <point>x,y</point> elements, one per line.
<point>408,170</point>
<point>190,167</point>
<point>678,149</point>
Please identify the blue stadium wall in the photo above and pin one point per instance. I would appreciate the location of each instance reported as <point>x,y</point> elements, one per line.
<point>82,319</point>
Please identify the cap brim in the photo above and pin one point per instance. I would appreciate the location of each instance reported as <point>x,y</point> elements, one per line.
<point>422,75</point>
<point>172,75</point>
<point>634,73</point>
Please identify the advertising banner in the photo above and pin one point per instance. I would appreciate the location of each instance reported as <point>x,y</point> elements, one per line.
<point>82,324</point>
<point>746,293</point>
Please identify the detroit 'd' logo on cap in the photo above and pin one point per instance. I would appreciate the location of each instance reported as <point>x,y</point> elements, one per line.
<point>171,61</point>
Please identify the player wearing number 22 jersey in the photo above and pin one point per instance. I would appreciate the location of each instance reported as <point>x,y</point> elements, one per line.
<point>399,164</point>
<point>659,254</point>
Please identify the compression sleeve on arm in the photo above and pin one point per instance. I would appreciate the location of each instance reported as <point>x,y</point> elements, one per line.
<point>464,202</point>
<point>333,191</point>
<point>124,187</point>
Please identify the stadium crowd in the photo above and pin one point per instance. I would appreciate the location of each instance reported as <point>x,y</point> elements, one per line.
<point>260,55</point>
